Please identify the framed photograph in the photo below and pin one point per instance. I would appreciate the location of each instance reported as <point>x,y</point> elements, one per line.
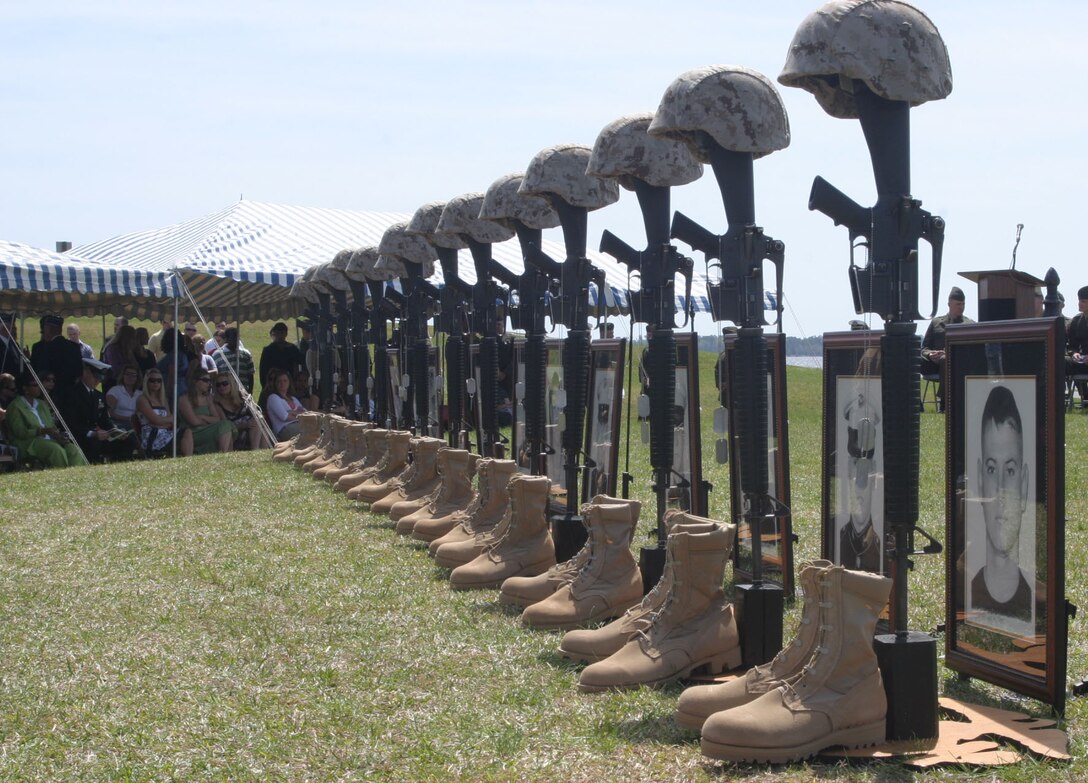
<point>687,490</point>
<point>398,391</point>
<point>603,419</point>
<point>777,541</point>
<point>1006,617</point>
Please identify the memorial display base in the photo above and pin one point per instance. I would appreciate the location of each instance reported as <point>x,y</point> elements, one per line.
<point>968,734</point>
<point>759,617</point>
<point>651,562</point>
<point>908,666</point>
<point>568,535</point>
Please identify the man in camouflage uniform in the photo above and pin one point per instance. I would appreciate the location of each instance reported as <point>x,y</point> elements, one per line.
<point>933,342</point>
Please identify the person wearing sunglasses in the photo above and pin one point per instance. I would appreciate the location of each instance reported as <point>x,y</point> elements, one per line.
<point>206,429</point>
<point>229,400</point>
<point>156,421</point>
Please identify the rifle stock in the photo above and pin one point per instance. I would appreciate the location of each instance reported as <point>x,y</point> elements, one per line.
<point>691,233</point>
<point>843,210</point>
<point>620,250</point>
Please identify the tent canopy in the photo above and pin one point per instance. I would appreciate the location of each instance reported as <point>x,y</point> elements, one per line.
<point>36,281</point>
<point>239,264</point>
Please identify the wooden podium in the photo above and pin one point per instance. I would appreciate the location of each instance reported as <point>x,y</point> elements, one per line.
<point>1005,294</point>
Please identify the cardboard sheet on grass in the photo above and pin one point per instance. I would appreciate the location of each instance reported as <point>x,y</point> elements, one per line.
<point>969,734</point>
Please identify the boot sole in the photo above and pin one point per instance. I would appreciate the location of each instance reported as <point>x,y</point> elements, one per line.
<point>722,662</point>
<point>446,562</point>
<point>571,624</point>
<point>581,657</point>
<point>690,721</point>
<point>534,569</point>
<point>855,737</point>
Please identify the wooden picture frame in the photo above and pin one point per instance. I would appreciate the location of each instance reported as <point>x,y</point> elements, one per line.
<point>853,533</point>
<point>777,543</point>
<point>602,430</point>
<point>1005,505</point>
<point>687,490</point>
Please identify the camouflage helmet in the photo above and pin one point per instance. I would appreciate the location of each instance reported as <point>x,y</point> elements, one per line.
<point>462,216</point>
<point>503,203</point>
<point>300,289</point>
<point>361,260</point>
<point>397,242</point>
<point>737,107</point>
<point>624,151</point>
<point>561,171</point>
<point>331,277</point>
<point>889,45</point>
<point>364,263</point>
<point>425,222</point>
<point>388,268</point>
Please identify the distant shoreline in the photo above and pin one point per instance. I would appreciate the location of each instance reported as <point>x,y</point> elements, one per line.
<point>816,362</point>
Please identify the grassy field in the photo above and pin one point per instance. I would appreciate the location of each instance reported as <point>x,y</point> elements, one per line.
<point>224,618</point>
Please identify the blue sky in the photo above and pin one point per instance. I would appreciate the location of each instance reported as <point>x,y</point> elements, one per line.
<point>122,116</point>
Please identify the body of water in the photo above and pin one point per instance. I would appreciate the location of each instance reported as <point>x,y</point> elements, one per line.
<point>806,361</point>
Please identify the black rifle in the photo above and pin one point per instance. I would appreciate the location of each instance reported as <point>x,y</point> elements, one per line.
<point>360,352</point>
<point>486,311</point>
<point>739,297</point>
<point>655,304</point>
<point>888,286</point>
<point>456,298</point>
<point>380,313</point>
<point>575,274</point>
<point>343,348</point>
<point>420,298</point>
<point>534,287</point>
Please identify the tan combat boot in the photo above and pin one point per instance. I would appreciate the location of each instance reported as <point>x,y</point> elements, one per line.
<point>479,519</point>
<point>699,702</point>
<point>492,499</point>
<point>337,445</point>
<point>456,467</point>
<point>356,449</point>
<point>837,698</point>
<point>375,443</point>
<point>522,543</point>
<point>303,456</point>
<point>414,484</point>
<point>309,430</point>
<point>694,628</point>
<point>524,591</point>
<point>608,584</point>
<point>383,481</point>
<point>590,646</point>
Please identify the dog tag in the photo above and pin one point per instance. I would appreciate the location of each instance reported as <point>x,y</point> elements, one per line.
<point>643,407</point>
<point>721,451</point>
<point>721,421</point>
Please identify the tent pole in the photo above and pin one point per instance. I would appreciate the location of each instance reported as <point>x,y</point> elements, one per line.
<point>174,391</point>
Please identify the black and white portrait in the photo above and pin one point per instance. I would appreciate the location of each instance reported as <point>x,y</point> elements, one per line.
<point>859,474</point>
<point>1000,506</point>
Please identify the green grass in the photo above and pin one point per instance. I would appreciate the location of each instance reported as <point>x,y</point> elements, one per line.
<point>224,618</point>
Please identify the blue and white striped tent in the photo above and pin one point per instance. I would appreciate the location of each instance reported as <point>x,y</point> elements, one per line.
<point>240,263</point>
<point>35,281</point>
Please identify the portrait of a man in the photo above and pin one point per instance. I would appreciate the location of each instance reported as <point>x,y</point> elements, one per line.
<point>859,459</point>
<point>1000,548</point>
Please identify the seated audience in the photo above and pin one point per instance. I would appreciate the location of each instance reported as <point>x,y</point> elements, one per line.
<point>283,407</point>
<point>32,429</point>
<point>205,358</point>
<point>307,396</point>
<point>156,421</point>
<point>145,359</point>
<point>230,402</point>
<point>90,423</point>
<point>206,429</point>
<point>121,399</point>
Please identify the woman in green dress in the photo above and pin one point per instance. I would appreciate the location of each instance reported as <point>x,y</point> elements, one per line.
<point>206,429</point>
<point>33,431</point>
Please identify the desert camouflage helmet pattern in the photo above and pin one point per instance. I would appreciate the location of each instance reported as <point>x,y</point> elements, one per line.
<point>300,289</point>
<point>889,45</point>
<point>361,259</point>
<point>737,107</point>
<point>425,222</point>
<point>397,242</point>
<point>624,151</point>
<point>331,277</point>
<point>561,171</point>
<point>388,268</point>
<point>462,216</point>
<point>503,203</point>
